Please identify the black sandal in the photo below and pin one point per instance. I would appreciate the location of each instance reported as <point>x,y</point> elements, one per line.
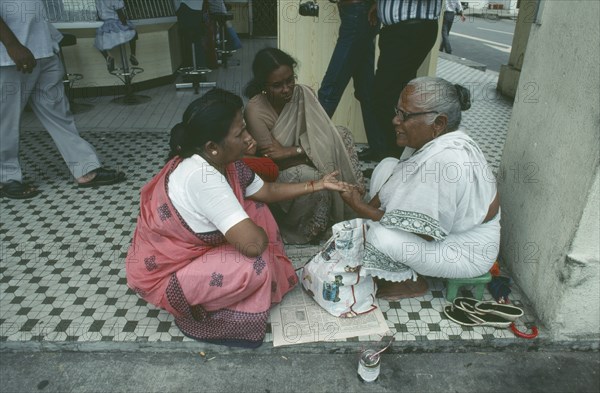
<point>16,190</point>
<point>104,177</point>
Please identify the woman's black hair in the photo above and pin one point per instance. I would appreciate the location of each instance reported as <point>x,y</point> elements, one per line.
<point>206,119</point>
<point>266,61</point>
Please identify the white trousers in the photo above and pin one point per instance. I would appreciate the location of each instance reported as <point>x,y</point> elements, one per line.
<point>44,90</point>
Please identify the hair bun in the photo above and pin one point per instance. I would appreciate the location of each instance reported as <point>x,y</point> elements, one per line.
<point>464,97</point>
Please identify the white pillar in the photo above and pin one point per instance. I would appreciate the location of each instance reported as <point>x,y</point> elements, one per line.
<point>549,171</point>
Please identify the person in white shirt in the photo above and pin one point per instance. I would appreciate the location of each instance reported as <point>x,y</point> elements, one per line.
<point>30,70</point>
<point>206,247</point>
<point>453,8</point>
<point>409,30</point>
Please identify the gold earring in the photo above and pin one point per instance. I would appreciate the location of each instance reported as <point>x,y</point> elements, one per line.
<point>214,152</point>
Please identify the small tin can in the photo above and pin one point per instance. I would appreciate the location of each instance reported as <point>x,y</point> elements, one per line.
<point>368,366</point>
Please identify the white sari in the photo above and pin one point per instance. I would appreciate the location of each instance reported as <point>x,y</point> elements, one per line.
<point>443,191</point>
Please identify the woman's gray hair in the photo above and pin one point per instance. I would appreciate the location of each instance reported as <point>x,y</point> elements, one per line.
<point>439,95</point>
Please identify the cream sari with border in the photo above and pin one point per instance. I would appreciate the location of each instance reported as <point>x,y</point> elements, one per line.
<point>303,122</point>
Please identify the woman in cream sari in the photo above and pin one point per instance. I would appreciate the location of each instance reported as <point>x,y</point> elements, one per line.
<point>434,212</point>
<point>291,127</point>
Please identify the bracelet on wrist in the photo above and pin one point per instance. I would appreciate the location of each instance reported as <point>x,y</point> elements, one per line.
<point>310,184</point>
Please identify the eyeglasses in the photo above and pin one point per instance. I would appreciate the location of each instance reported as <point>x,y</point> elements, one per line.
<point>404,116</point>
<point>289,82</point>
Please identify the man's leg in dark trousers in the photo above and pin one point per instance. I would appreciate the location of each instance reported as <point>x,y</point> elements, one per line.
<point>447,25</point>
<point>402,47</point>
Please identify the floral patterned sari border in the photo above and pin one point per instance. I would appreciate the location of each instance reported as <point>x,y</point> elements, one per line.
<point>414,222</point>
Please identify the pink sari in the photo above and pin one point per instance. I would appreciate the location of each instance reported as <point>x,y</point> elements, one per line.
<point>215,293</point>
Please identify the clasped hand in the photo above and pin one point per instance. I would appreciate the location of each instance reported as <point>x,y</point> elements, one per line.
<point>353,196</point>
<point>276,151</point>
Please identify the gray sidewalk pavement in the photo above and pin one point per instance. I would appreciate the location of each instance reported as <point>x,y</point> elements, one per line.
<point>280,372</point>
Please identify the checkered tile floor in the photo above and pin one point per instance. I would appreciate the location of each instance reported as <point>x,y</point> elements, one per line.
<point>62,276</point>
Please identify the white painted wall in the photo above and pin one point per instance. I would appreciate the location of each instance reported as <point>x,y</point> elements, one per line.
<point>549,169</point>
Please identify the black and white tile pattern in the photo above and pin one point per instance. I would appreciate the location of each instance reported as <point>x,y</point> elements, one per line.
<point>62,276</point>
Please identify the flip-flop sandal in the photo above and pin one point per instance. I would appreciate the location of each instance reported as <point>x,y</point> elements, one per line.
<point>474,306</point>
<point>466,304</point>
<point>505,311</point>
<point>489,320</point>
<point>467,319</point>
<point>16,190</point>
<point>459,316</point>
<point>104,177</point>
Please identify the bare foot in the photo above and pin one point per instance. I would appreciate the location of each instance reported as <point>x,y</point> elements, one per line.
<point>86,178</point>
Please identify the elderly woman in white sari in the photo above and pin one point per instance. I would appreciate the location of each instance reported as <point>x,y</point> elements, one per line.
<point>435,212</point>
<point>292,129</point>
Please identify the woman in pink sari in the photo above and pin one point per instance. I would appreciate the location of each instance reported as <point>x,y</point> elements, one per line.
<point>206,247</point>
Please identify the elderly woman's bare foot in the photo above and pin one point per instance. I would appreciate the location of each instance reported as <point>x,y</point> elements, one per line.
<point>389,290</point>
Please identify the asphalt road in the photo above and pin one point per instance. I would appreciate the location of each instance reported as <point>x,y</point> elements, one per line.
<point>482,40</point>
<point>281,371</point>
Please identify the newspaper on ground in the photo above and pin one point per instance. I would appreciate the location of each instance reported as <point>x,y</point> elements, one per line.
<point>299,319</point>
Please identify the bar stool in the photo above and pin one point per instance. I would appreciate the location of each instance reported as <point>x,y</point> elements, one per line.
<point>70,79</point>
<point>196,75</point>
<point>221,41</point>
<point>126,73</point>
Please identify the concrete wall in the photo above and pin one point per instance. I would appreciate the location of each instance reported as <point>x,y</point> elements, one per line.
<point>549,169</point>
